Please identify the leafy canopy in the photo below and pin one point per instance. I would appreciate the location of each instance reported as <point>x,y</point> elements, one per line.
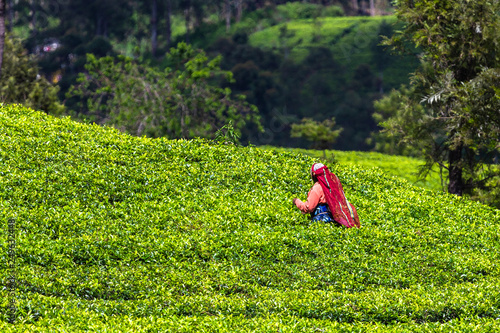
<point>390,112</point>
<point>21,83</point>
<point>179,101</point>
<point>459,126</point>
<point>321,134</point>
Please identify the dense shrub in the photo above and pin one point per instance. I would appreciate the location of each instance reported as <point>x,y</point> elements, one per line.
<point>22,83</point>
<point>120,233</point>
<point>297,10</point>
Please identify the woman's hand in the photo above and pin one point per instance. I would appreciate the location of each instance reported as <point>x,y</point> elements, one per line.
<point>294,199</point>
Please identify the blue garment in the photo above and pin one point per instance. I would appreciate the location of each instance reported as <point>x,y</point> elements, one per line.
<point>322,214</point>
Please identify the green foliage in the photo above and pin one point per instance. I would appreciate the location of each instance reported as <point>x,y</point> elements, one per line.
<point>342,34</point>
<point>460,124</point>
<point>398,114</point>
<point>298,10</point>
<point>479,103</point>
<point>227,134</point>
<point>333,66</point>
<point>268,17</point>
<point>321,134</point>
<point>329,66</point>
<point>123,233</point>
<point>21,82</point>
<point>283,63</point>
<point>392,111</point>
<point>177,102</point>
<point>108,28</point>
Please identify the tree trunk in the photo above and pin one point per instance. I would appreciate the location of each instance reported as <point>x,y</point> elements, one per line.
<point>98,30</point>
<point>105,27</point>
<point>239,10</point>
<point>456,184</point>
<point>354,6</point>
<point>2,32</point>
<point>381,7</point>
<point>101,26</point>
<point>198,14</point>
<point>169,23</point>
<point>187,16</point>
<point>154,27</point>
<point>33,16</point>
<point>372,8</point>
<point>227,14</point>
<point>11,15</point>
<point>381,83</point>
<point>364,7</point>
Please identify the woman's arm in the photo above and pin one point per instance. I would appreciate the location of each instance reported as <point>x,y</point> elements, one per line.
<point>312,200</point>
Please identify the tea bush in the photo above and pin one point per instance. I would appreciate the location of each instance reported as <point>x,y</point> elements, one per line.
<point>120,233</point>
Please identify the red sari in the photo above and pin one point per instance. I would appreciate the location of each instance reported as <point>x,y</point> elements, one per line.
<point>342,211</point>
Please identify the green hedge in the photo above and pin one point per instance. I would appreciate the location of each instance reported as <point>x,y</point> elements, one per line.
<point>119,233</point>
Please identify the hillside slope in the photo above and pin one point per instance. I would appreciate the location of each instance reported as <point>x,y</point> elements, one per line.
<point>352,40</point>
<point>118,233</point>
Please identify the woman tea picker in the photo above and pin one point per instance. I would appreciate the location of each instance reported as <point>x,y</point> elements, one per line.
<point>326,201</point>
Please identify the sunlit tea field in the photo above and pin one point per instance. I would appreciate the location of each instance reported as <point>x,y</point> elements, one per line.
<point>119,233</point>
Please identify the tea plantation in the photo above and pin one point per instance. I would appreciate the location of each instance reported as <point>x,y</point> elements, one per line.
<point>116,233</point>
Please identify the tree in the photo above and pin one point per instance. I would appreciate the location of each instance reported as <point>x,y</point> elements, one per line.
<point>460,45</point>
<point>33,16</point>
<point>168,19</point>
<point>11,14</point>
<point>239,9</point>
<point>90,18</point>
<point>199,11</point>
<point>21,82</point>
<point>322,135</point>
<point>354,6</point>
<point>154,27</point>
<point>227,14</point>
<point>186,6</point>
<point>372,8</point>
<point>390,111</point>
<point>2,32</point>
<point>283,37</point>
<point>178,102</point>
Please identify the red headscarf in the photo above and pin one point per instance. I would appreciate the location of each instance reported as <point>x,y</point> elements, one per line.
<point>342,211</point>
